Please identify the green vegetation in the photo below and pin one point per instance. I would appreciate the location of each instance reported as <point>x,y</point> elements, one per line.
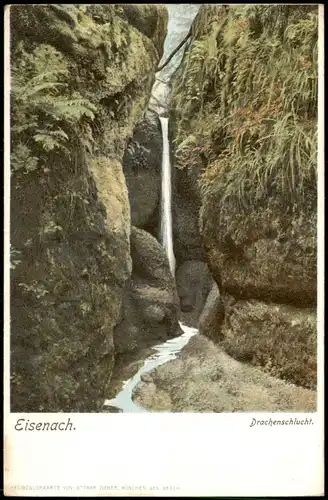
<point>45,111</point>
<point>76,73</point>
<point>245,97</point>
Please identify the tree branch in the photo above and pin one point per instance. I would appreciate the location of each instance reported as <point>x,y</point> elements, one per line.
<point>174,51</point>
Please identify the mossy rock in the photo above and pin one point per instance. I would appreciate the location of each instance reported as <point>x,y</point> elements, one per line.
<point>258,191</point>
<point>81,80</point>
<point>266,254</point>
<point>151,20</point>
<point>280,339</point>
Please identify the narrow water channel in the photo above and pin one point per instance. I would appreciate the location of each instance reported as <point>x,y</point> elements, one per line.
<point>163,353</point>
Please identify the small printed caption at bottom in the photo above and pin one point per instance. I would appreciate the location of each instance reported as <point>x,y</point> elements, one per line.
<point>288,421</point>
<point>22,487</point>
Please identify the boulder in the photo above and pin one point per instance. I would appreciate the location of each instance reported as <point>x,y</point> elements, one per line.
<point>67,292</point>
<point>266,254</point>
<point>150,263</point>
<point>150,308</point>
<point>279,338</point>
<point>154,313</point>
<point>70,215</point>
<point>212,316</point>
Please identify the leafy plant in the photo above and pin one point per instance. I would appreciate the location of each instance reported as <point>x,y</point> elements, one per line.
<point>46,113</point>
<point>247,97</point>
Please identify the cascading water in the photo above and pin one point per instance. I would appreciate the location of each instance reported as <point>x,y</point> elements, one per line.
<point>166,215</point>
<point>180,20</point>
<point>169,349</point>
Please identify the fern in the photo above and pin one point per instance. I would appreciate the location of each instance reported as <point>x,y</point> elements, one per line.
<point>248,96</point>
<point>21,159</point>
<point>45,113</point>
<point>74,109</point>
<point>51,140</point>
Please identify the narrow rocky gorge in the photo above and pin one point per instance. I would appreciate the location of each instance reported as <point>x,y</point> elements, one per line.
<point>244,232</point>
<point>225,320</point>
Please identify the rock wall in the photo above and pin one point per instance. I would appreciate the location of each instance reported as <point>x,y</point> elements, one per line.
<point>194,283</point>
<point>81,81</point>
<point>192,271</point>
<point>142,164</point>
<point>188,244</point>
<point>277,337</point>
<point>254,162</point>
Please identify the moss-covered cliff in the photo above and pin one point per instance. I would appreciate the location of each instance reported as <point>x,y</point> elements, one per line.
<point>81,80</point>
<point>244,113</point>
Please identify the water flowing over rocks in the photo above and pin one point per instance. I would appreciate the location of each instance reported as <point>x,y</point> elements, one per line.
<point>166,233</point>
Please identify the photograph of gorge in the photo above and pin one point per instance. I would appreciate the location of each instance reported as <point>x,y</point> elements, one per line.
<point>163,208</point>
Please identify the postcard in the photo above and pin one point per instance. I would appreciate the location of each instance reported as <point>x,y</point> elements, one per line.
<point>164,250</point>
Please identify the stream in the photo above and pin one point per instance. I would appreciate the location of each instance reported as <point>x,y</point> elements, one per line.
<point>164,352</point>
<point>180,19</point>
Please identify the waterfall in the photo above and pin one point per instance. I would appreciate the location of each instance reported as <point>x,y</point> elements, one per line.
<point>180,18</point>
<point>166,215</point>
